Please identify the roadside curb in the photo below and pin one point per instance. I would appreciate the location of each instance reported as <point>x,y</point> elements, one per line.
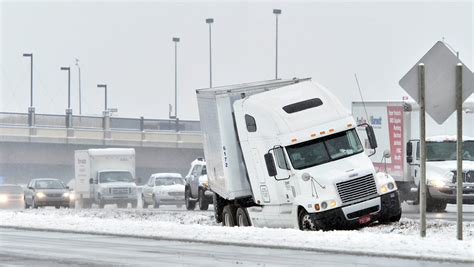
<point>249,244</point>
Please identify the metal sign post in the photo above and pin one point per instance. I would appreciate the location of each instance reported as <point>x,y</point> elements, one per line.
<point>459,178</point>
<point>422,193</point>
<point>437,71</point>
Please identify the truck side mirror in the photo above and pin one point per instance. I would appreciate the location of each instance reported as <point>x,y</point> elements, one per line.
<point>271,168</point>
<point>409,152</point>
<point>91,181</point>
<point>371,136</point>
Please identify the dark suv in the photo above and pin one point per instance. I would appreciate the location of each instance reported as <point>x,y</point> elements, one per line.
<point>197,187</point>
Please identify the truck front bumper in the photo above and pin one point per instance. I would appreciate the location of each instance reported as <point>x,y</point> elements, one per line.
<point>119,198</point>
<point>448,194</point>
<point>339,218</point>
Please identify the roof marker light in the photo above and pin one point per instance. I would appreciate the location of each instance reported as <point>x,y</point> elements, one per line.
<point>313,135</point>
<point>331,130</point>
<point>293,140</point>
<point>349,125</point>
<point>322,132</point>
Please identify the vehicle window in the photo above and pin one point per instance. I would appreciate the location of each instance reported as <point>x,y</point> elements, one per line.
<point>280,158</point>
<point>300,106</point>
<point>442,151</point>
<point>150,181</point>
<point>49,184</point>
<point>251,124</point>
<point>169,181</point>
<point>196,170</point>
<point>11,189</point>
<point>204,170</point>
<point>322,150</point>
<point>115,176</point>
<point>418,150</point>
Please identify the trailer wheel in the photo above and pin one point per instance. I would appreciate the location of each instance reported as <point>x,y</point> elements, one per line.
<point>218,203</point>
<point>242,218</point>
<point>134,204</point>
<point>304,221</point>
<point>190,205</point>
<point>101,204</point>
<point>203,204</point>
<point>228,216</point>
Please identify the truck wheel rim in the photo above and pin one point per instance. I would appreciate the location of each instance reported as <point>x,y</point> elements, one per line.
<point>227,219</point>
<point>307,223</point>
<point>241,220</point>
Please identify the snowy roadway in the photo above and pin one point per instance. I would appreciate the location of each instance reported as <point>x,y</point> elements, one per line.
<point>65,249</point>
<point>399,240</point>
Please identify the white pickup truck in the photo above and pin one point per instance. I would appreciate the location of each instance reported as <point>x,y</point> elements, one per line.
<point>396,125</point>
<point>286,153</point>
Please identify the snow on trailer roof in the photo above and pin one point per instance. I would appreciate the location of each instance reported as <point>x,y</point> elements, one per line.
<point>444,138</point>
<point>245,87</point>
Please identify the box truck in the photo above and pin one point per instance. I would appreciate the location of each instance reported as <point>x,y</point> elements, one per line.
<point>105,176</point>
<point>396,126</point>
<point>286,153</point>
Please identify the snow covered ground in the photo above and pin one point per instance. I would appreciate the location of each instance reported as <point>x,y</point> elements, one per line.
<point>399,239</point>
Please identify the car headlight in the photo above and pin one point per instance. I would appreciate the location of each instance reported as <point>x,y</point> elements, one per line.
<point>205,184</point>
<point>72,196</point>
<point>66,194</point>
<point>436,183</point>
<point>40,195</point>
<point>3,198</point>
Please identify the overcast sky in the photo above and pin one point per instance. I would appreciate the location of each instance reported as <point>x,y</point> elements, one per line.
<point>128,45</point>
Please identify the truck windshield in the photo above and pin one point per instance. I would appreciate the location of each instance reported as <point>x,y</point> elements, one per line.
<point>110,177</point>
<point>441,151</point>
<point>322,150</point>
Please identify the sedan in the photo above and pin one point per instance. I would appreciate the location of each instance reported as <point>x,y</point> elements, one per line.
<point>11,196</point>
<point>163,189</point>
<point>47,192</point>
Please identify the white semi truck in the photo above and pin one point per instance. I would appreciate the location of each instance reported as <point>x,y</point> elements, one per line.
<point>105,176</point>
<point>285,153</point>
<point>396,126</point>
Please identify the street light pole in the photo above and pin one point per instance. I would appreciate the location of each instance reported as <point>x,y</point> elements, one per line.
<point>31,109</point>
<point>175,40</point>
<point>210,21</point>
<point>68,110</point>
<point>277,12</point>
<point>80,94</point>
<point>105,87</point>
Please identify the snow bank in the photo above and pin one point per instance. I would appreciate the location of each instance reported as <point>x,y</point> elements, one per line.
<point>399,240</point>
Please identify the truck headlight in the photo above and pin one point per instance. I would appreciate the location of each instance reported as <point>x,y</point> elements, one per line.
<point>3,199</point>
<point>436,183</point>
<point>40,195</point>
<point>66,194</point>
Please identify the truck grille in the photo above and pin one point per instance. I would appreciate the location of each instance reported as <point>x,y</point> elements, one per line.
<point>175,194</point>
<point>120,190</point>
<point>467,177</point>
<point>54,195</point>
<point>357,189</point>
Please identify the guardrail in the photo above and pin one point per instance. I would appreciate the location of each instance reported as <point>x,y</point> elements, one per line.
<point>105,122</point>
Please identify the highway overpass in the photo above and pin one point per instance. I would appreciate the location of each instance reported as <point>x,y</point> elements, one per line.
<point>46,148</point>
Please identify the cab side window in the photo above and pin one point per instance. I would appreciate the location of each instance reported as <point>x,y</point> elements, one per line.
<point>251,124</point>
<point>196,171</point>
<point>280,158</point>
<point>150,181</point>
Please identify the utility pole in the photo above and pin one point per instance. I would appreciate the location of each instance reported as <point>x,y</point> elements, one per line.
<point>80,94</point>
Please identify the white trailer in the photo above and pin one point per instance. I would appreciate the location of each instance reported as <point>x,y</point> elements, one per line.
<point>396,126</point>
<point>105,176</point>
<point>285,153</point>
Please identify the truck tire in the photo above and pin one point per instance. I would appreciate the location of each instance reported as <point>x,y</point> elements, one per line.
<point>242,218</point>
<point>26,204</point>
<point>101,204</point>
<point>219,204</point>
<point>228,215</point>
<point>203,204</point>
<point>304,221</point>
<point>434,205</point>
<point>33,203</point>
<point>156,203</point>
<point>134,204</point>
<point>144,204</point>
<point>190,204</point>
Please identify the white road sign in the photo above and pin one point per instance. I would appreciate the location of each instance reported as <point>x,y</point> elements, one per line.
<point>440,82</point>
